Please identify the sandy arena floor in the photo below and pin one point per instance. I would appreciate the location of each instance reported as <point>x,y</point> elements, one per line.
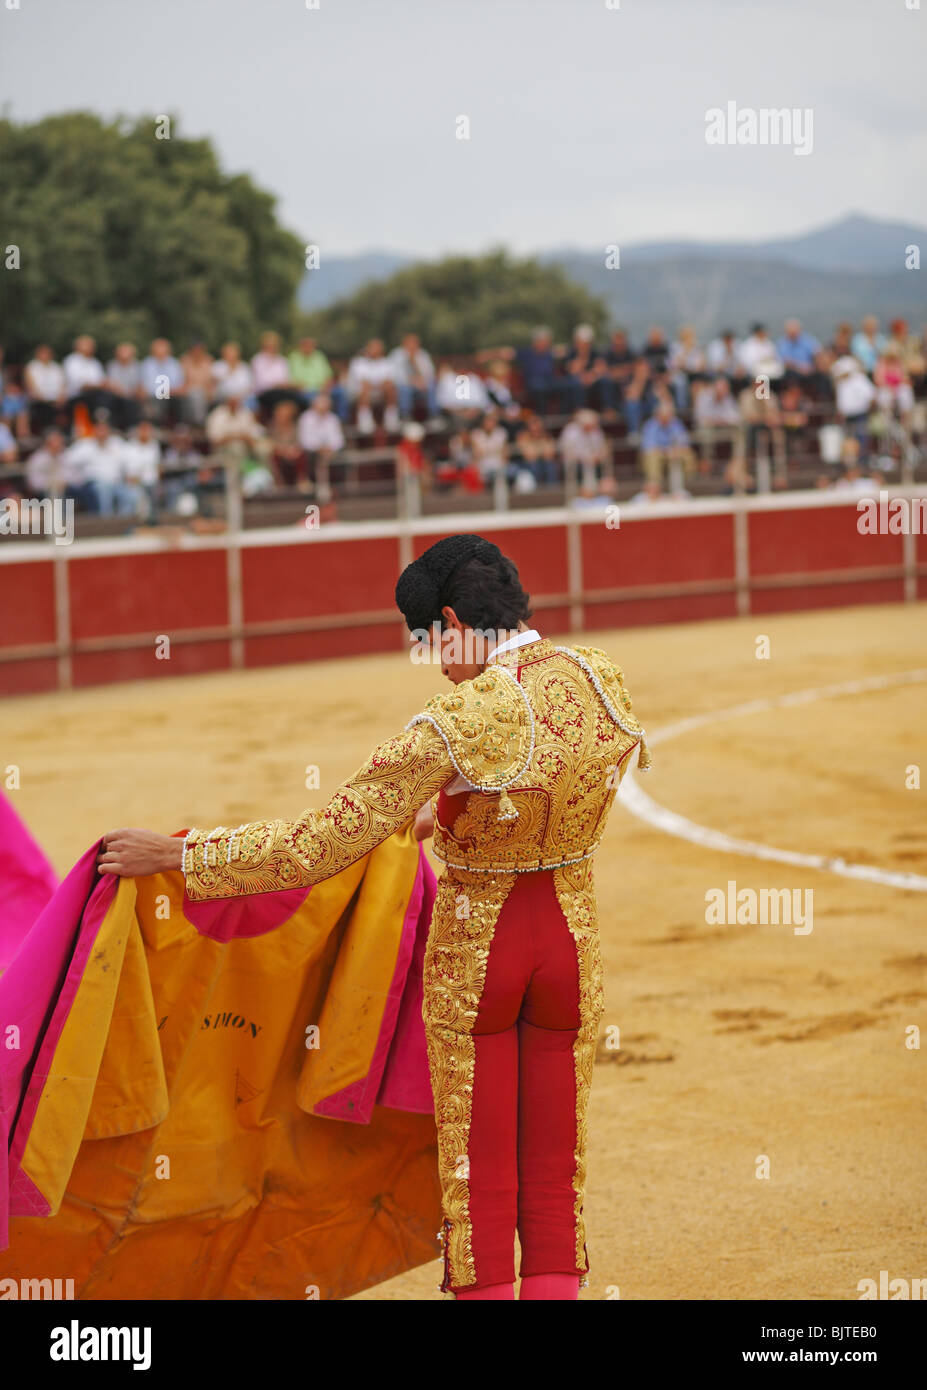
<point>737,1041</point>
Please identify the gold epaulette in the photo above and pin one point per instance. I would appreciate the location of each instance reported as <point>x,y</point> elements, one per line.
<point>488,730</point>
<point>608,680</point>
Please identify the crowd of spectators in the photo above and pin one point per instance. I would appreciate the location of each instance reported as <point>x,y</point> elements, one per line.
<point>147,436</point>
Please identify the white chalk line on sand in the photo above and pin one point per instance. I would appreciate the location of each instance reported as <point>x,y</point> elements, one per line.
<point>646,809</point>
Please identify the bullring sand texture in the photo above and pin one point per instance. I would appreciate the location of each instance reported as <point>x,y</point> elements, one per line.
<point>736,1041</point>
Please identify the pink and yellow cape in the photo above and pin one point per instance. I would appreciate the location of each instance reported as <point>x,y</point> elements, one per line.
<point>175,1079</point>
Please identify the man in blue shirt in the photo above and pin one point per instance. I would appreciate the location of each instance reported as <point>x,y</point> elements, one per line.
<point>162,380</point>
<point>545,389</point>
<point>665,440</point>
<point>800,353</point>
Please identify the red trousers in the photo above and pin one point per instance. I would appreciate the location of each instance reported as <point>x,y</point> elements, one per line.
<point>523,1131</point>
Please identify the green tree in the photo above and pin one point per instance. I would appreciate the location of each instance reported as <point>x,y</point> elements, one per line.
<point>129,236</point>
<point>459,305</point>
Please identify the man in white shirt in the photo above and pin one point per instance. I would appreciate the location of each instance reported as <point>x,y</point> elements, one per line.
<point>717,416</point>
<point>142,452</point>
<point>45,387</point>
<point>319,427</point>
<point>461,395</point>
<point>232,375</point>
<point>855,396</point>
<point>46,468</point>
<point>414,375</point>
<point>231,425</point>
<point>84,378</point>
<point>759,356</point>
<point>371,381</point>
<point>584,447</point>
<point>95,472</point>
<point>322,437</point>
<point>723,355</point>
<point>271,373</point>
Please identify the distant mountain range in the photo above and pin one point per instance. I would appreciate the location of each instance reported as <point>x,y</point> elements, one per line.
<point>850,267</point>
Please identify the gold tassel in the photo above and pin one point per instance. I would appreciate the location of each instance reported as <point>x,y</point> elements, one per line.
<point>644,760</point>
<point>507,808</point>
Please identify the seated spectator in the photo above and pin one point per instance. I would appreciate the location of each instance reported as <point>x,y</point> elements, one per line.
<point>322,438</point>
<point>459,468</point>
<point>95,472</point>
<point>650,492</point>
<point>758,356</point>
<point>271,375</point>
<point>498,384</point>
<point>639,398</point>
<point>854,479</point>
<point>197,364</point>
<point>794,414</point>
<point>619,362</point>
<point>893,383</point>
<point>911,351</point>
<point>124,379</point>
<point>371,382</point>
<point>490,445</point>
<point>14,407</point>
<point>410,456</point>
<point>232,375</point>
<point>665,444</point>
<point>311,372</point>
<point>723,356</point>
<point>600,494</point>
<point>9,452</point>
<point>545,389</point>
<point>289,461</point>
<point>655,353</point>
<point>855,396</point>
<point>45,385</point>
<point>461,396</point>
<point>142,468</point>
<point>760,412</point>
<point>84,378</point>
<point>587,369</point>
<point>800,354</point>
<point>584,449</point>
<point>536,447</point>
<point>717,416</point>
<point>715,404</point>
<point>230,425</point>
<point>869,343</point>
<point>186,476</point>
<point>841,344</point>
<point>46,467</point>
<point>414,376</point>
<point>162,382</point>
<point>686,364</point>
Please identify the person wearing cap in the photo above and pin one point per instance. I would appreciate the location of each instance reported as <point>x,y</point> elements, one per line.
<point>514,772</point>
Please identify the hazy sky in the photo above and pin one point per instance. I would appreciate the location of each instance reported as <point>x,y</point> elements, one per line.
<point>587,123</point>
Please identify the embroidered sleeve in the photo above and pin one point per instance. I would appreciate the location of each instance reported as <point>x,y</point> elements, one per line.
<point>395,781</point>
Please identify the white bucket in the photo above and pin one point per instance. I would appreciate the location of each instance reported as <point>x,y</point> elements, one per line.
<point>830,443</point>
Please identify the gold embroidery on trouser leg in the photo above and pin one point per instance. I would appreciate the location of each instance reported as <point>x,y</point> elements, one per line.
<point>577,898</point>
<point>466,909</point>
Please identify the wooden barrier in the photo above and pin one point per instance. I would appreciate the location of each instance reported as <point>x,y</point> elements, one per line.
<point>100,611</point>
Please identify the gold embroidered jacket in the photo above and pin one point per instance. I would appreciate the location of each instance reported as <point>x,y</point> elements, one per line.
<point>544,733</point>
<point>543,736</point>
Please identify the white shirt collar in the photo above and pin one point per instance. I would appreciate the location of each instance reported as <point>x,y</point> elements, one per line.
<point>520,639</point>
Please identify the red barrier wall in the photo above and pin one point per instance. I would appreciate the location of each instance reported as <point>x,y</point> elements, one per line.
<point>92,612</point>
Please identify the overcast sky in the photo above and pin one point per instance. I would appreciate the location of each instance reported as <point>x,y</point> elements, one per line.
<point>587,123</point>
